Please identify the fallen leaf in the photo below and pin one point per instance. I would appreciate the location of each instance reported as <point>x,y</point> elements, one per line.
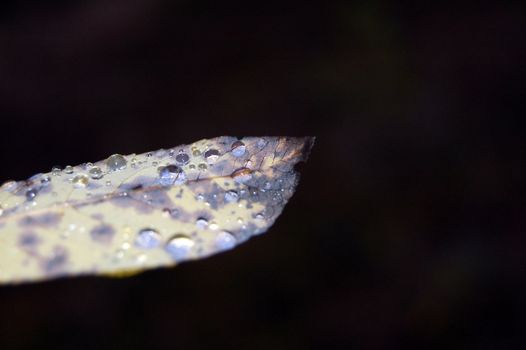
<point>137,212</point>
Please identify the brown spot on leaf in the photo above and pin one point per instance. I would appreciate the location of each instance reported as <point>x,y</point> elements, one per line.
<point>102,233</point>
<point>42,220</point>
<point>55,263</point>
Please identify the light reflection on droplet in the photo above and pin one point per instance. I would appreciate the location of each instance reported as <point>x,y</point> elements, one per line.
<point>45,180</point>
<point>9,186</point>
<point>80,181</point>
<point>55,170</point>
<point>238,149</point>
<point>96,173</point>
<point>116,162</point>
<point>201,223</point>
<point>141,258</point>
<point>180,246</point>
<point>196,152</point>
<point>225,240</point>
<point>148,238</point>
<point>182,158</point>
<point>231,196</point>
<point>31,194</point>
<point>171,174</point>
<point>211,156</point>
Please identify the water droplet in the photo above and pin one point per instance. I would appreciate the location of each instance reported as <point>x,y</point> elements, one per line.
<point>119,254</point>
<point>108,183</point>
<point>242,175</point>
<point>202,166</point>
<point>160,153</point>
<point>238,149</point>
<point>148,238</point>
<point>225,240</point>
<point>96,173</point>
<point>141,258</point>
<point>55,170</point>
<point>182,158</point>
<point>80,181</point>
<point>192,166</point>
<point>196,152</point>
<point>169,174</point>
<point>231,196</point>
<point>260,216</point>
<point>45,180</point>
<point>9,186</point>
<point>31,194</point>
<point>171,212</point>
<point>213,226</point>
<point>68,169</point>
<point>212,155</point>
<point>201,223</point>
<point>180,246</point>
<point>116,162</point>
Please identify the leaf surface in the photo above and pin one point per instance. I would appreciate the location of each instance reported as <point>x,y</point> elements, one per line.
<point>137,212</point>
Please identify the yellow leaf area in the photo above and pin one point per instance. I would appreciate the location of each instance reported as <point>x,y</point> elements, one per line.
<point>129,213</point>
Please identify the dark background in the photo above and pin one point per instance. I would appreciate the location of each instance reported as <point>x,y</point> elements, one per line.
<point>408,225</point>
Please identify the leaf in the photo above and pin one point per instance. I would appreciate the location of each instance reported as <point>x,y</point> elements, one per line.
<point>137,212</point>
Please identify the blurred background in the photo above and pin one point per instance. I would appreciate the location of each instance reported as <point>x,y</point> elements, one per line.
<point>408,227</point>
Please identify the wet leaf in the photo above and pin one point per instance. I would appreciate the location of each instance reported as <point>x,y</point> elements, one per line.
<point>137,212</point>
